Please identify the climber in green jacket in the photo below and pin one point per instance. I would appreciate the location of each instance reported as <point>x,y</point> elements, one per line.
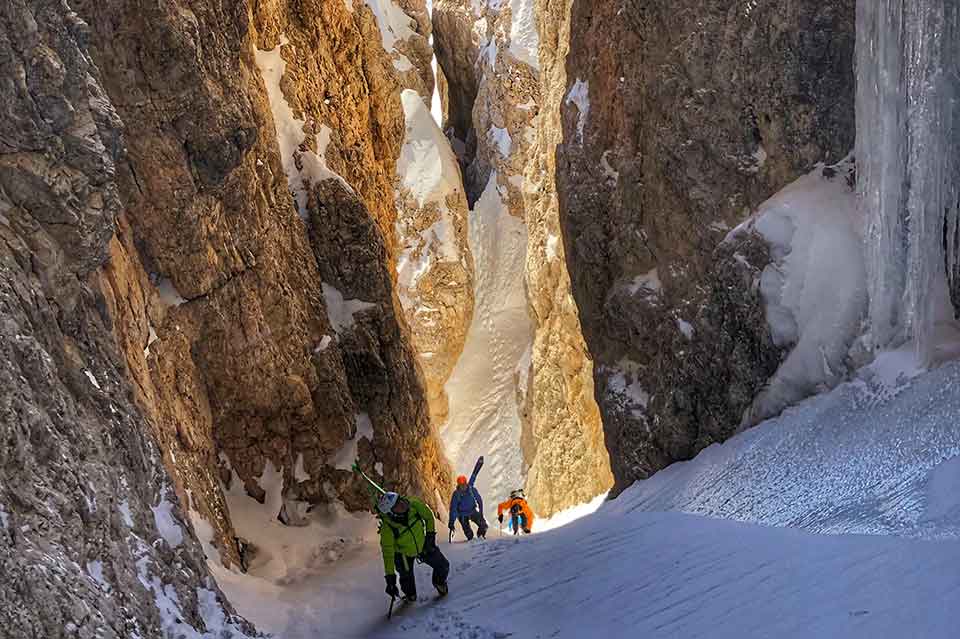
<point>408,534</point>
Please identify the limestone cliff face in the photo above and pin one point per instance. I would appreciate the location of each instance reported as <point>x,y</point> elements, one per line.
<point>679,119</point>
<point>251,281</point>
<point>506,77</point>
<point>92,540</point>
<point>563,435</point>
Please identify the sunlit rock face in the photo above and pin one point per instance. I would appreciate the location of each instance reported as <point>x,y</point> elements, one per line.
<point>252,281</point>
<point>92,540</point>
<point>522,393</point>
<point>679,119</point>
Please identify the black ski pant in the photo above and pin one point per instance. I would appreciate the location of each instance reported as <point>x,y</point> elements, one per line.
<point>477,518</point>
<point>518,523</point>
<point>433,558</point>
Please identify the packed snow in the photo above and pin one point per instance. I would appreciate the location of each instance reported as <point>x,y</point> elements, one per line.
<point>169,295</point>
<point>815,288</point>
<point>501,140</point>
<point>840,518</point>
<point>648,284</point>
<point>484,416</point>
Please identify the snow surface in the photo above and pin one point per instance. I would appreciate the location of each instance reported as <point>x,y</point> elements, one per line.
<point>124,508</point>
<point>855,460</point>
<point>580,95</point>
<point>685,327</point>
<point>815,289</point>
<point>648,282</point>
<point>348,454</point>
<point>867,457</point>
<point>168,527</point>
<point>394,25</point>
<point>341,311</point>
<point>169,295</point>
<point>501,140</point>
<point>93,379</point>
<point>484,417</point>
<point>95,570</point>
<point>524,38</point>
<point>553,246</point>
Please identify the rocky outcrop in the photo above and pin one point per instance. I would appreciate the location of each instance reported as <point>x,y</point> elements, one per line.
<point>679,119</point>
<point>538,420</point>
<point>259,335</point>
<point>92,540</point>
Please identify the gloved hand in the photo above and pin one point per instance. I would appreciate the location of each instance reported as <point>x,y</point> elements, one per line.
<point>500,518</point>
<point>392,589</point>
<point>429,542</point>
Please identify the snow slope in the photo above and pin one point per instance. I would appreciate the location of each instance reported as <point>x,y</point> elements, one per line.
<point>484,417</point>
<point>860,459</point>
<point>676,575</point>
<point>878,455</point>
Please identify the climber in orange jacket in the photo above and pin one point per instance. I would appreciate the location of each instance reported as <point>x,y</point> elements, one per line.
<point>521,515</point>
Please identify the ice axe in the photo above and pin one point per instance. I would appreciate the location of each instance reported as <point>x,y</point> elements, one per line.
<point>390,612</point>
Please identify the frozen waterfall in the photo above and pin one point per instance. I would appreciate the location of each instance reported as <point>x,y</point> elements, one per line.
<point>908,153</point>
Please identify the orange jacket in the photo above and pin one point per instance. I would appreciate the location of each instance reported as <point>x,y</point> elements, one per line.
<point>524,509</point>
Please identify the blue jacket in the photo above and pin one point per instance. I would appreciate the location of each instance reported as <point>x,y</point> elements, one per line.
<point>465,502</point>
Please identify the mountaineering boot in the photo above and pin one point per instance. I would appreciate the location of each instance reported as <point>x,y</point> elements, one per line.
<point>410,598</point>
<point>442,589</point>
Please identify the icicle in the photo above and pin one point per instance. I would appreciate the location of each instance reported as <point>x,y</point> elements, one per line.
<point>908,152</point>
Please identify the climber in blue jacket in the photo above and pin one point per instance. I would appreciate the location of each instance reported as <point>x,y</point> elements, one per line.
<point>466,505</point>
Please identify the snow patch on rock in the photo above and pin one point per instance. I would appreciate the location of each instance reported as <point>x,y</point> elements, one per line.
<point>290,134</point>
<point>167,525</point>
<point>815,289</point>
<point>580,96</point>
<point>341,311</point>
<point>348,453</point>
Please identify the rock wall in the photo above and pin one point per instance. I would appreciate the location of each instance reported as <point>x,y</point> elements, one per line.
<point>679,119</point>
<point>563,440</point>
<point>538,420</point>
<point>252,278</point>
<point>92,540</point>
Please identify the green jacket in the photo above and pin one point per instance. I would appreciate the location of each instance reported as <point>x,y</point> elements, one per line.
<point>407,538</point>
